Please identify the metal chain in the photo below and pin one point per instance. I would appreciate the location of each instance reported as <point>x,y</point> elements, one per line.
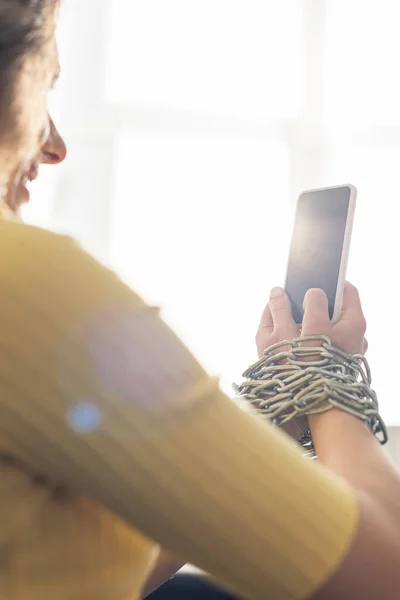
<point>307,376</point>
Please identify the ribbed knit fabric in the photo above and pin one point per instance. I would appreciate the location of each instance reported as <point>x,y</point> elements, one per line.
<point>100,399</point>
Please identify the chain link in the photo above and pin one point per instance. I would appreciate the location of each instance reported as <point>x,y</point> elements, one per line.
<point>308,376</point>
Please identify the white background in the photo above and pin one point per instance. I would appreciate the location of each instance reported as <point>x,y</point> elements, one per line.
<point>192,126</point>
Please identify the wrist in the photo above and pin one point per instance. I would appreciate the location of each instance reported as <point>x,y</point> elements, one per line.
<point>345,445</point>
<point>307,377</point>
<point>336,430</point>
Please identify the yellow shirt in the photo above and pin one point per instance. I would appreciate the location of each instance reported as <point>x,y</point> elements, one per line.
<point>112,425</point>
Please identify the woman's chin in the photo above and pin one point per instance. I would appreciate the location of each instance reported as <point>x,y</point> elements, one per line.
<point>20,197</point>
<point>11,206</point>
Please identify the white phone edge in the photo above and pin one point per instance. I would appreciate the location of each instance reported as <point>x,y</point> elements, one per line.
<point>337,310</point>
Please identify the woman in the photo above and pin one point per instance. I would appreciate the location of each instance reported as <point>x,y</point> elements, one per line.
<point>107,423</point>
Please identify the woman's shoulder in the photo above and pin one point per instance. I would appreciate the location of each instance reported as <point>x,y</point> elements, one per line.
<point>36,256</point>
<point>16,232</point>
<point>18,240</point>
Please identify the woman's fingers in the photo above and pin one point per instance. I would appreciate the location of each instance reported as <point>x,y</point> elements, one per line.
<point>276,323</point>
<point>266,323</point>
<point>265,330</point>
<point>351,299</point>
<point>352,308</point>
<point>316,313</point>
<point>348,332</point>
<point>281,310</point>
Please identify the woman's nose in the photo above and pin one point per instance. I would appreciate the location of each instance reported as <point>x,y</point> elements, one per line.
<point>54,149</point>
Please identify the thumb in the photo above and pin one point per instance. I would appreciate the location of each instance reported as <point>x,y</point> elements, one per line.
<point>316,313</point>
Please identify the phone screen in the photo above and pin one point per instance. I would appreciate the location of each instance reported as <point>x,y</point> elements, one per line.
<point>317,245</point>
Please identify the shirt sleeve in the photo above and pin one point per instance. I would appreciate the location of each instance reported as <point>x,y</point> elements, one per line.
<point>97,393</point>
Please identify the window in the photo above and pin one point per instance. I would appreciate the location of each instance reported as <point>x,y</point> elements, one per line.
<point>192,128</point>
<point>202,195</point>
<point>218,57</point>
<point>362,49</point>
<point>194,212</point>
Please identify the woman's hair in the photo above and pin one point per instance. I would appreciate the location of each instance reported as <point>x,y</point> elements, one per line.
<point>26,65</point>
<point>22,32</point>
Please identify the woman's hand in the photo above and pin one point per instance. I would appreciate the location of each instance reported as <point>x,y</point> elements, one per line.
<point>277,325</point>
<point>347,333</point>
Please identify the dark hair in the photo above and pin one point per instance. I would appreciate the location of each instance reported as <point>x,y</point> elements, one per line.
<point>20,29</point>
<point>21,32</point>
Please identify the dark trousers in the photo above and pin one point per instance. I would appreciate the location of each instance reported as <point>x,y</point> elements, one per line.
<point>189,587</point>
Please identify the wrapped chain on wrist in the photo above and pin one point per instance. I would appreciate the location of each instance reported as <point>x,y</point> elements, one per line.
<point>307,376</point>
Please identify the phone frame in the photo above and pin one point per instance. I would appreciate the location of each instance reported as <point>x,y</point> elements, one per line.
<point>337,309</point>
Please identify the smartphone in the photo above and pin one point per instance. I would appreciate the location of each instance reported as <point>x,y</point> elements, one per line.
<point>320,246</point>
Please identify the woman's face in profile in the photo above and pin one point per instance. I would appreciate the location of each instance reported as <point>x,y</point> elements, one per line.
<point>30,126</point>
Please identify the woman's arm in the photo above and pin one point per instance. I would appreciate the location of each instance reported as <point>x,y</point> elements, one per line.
<point>344,444</point>
<point>348,449</point>
<point>99,395</point>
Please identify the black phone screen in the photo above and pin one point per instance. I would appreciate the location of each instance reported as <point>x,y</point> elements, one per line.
<point>317,245</point>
